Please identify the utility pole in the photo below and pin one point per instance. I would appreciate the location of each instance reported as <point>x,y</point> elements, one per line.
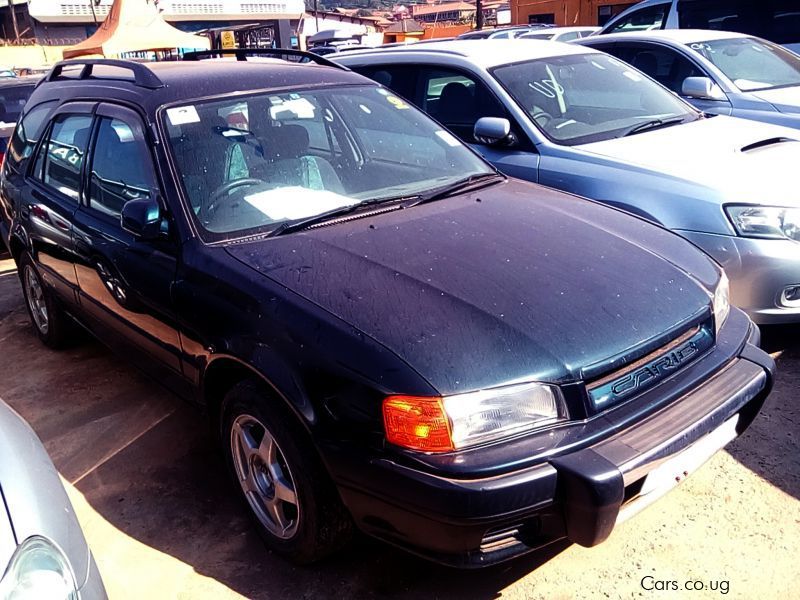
<point>94,14</point>
<point>14,20</point>
<point>478,14</point>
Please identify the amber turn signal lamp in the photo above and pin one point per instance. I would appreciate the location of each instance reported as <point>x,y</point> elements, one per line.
<point>417,423</point>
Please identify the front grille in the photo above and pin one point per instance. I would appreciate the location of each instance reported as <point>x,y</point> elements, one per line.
<point>647,371</point>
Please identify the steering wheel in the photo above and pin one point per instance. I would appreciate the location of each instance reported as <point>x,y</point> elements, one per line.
<point>225,189</point>
<point>542,118</point>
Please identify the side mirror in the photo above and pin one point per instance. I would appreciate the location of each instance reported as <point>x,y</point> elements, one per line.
<point>702,88</point>
<point>142,218</point>
<point>493,131</point>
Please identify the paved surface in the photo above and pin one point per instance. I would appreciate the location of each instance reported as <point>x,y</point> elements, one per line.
<point>160,517</point>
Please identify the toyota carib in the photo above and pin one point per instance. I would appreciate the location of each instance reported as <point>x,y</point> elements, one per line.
<point>384,332</point>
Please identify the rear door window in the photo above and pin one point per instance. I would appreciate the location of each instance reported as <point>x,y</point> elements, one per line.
<point>60,157</point>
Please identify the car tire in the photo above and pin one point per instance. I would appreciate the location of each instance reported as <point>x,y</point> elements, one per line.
<point>295,506</point>
<point>49,320</point>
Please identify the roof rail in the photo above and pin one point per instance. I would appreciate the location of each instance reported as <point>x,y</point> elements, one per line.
<point>142,76</point>
<point>243,53</point>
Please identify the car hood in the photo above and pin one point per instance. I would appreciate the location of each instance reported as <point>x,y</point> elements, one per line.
<point>786,100</point>
<point>738,159</point>
<point>514,282</point>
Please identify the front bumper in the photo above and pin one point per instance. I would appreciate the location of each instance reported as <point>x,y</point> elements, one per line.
<point>579,494</point>
<point>759,271</point>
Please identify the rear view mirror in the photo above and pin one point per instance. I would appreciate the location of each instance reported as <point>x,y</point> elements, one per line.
<point>142,218</point>
<point>702,88</point>
<point>493,131</point>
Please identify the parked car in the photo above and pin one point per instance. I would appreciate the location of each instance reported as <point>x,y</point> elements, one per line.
<point>382,329</point>
<point>502,33</point>
<point>586,123</point>
<point>43,553</point>
<point>14,94</point>
<point>718,72</point>
<point>775,20</point>
<point>324,50</point>
<point>560,34</point>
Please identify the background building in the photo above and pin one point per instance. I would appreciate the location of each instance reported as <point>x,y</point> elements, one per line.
<point>66,22</point>
<point>566,12</point>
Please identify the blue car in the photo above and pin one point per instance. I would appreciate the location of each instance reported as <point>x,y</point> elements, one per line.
<point>585,122</point>
<point>718,72</point>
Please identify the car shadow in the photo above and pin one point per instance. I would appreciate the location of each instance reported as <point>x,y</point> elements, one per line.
<point>771,446</point>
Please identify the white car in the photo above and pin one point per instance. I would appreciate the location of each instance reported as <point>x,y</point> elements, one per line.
<point>560,34</point>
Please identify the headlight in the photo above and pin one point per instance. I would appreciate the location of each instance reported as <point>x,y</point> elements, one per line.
<point>765,221</point>
<point>38,569</point>
<point>721,301</point>
<point>463,420</point>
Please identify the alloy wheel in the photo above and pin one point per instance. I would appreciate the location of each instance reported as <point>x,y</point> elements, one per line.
<point>36,301</point>
<point>264,476</point>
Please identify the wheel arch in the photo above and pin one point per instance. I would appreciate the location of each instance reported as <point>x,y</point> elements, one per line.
<point>224,372</point>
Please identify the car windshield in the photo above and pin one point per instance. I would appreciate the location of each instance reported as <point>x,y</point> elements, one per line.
<point>252,164</point>
<point>584,98</point>
<point>752,64</point>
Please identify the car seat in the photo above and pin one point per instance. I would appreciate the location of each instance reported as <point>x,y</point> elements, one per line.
<point>457,109</point>
<point>647,63</point>
<point>291,164</point>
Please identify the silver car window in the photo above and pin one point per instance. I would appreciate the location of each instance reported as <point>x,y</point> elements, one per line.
<point>752,64</point>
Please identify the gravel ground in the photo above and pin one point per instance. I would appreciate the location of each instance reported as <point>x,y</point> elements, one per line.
<point>158,512</point>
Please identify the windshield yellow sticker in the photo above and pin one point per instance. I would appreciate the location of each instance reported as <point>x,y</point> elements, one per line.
<point>397,102</point>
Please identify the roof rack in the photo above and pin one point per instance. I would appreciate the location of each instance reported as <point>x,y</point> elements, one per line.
<point>243,53</point>
<point>142,76</point>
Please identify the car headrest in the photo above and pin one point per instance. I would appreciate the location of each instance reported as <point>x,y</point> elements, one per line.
<point>286,141</point>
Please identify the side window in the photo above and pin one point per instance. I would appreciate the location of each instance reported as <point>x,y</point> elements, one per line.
<point>60,157</point>
<point>662,64</point>
<point>27,134</point>
<point>652,17</point>
<point>568,37</point>
<point>457,101</point>
<point>122,167</point>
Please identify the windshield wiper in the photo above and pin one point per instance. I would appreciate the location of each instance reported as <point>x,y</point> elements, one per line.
<point>473,181</point>
<point>406,201</point>
<point>653,124</point>
<point>298,224</point>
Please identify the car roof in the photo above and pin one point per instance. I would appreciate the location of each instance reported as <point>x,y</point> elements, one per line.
<point>678,36</point>
<point>189,80</point>
<point>29,80</point>
<point>483,53</point>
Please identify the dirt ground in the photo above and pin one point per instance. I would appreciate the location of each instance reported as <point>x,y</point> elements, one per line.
<point>162,521</point>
